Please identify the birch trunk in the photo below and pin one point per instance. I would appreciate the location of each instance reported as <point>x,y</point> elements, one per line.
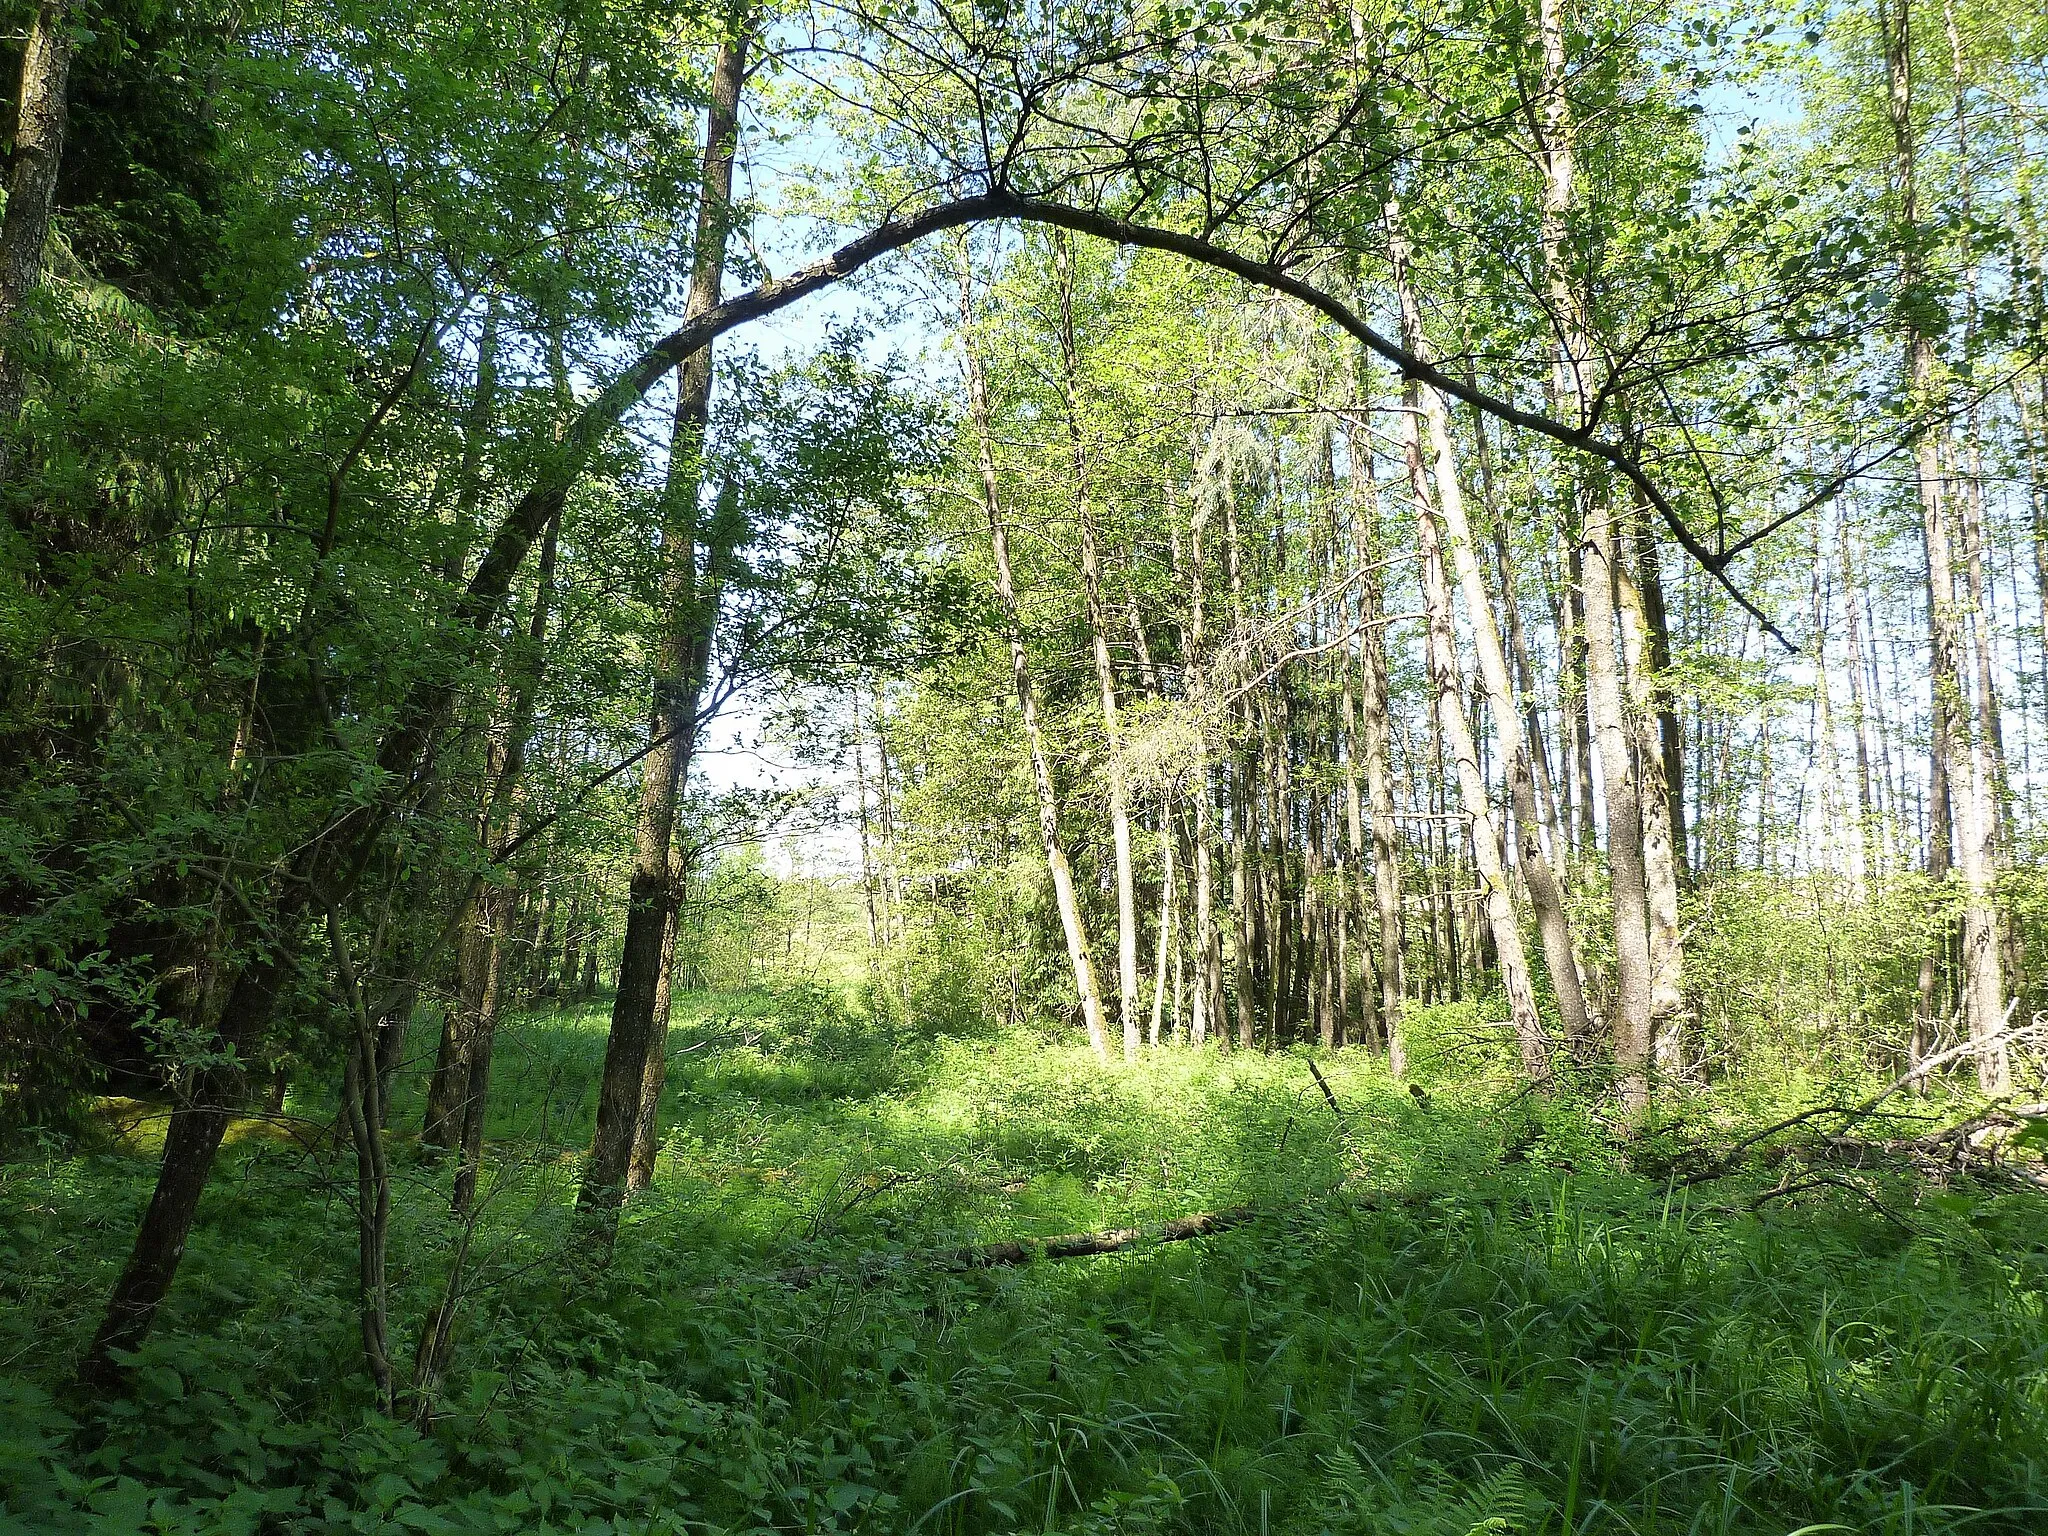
<point>1448,688</point>
<point>1660,859</point>
<point>1374,740</point>
<point>1546,895</point>
<point>1961,745</point>
<point>1064,894</point>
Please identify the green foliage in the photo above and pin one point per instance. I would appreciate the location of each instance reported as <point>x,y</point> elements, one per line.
<point>1513,1350</point>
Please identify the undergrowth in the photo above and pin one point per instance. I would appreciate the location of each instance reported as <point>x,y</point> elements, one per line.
<point>1459,1312</point>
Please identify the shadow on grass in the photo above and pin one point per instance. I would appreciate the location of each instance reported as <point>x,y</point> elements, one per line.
<point>1545,1346</point>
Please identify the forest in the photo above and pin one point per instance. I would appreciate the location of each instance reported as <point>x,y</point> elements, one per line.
<point>979,766</point>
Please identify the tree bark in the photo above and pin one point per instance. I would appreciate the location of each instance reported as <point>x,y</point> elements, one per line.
<point>373,1174</point>
<point>637,1036</point>
<point>1961,746</point>
<point>1859,718</point>
<point>1105,674</point>
<point>1374,750</point>
<point>1647,710</point>
<point>1631,1023</point>
<point>191,1140</point>
<point>1546,895</point>
<point>1598,570</point>
<point>1448,687</point>
<point>1206,1007</point>
<point>31,189</point>
<point>1079,957</point>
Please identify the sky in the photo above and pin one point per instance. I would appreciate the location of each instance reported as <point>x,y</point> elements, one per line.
<point>737,751</point>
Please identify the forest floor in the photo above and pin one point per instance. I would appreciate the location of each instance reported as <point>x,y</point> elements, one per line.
<point>1452,1311</point>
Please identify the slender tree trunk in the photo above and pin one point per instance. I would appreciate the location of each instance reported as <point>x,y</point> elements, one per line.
<point>637,1035</point>
<point>647,1122</point>
<point>1649,707</point>
<point>373,1175</point>
<point>449,1080</point>
<point>1961,745</point>
<point>1576,709</point>
<point>697,670</point>
<point>191,1140</point>
<point>1632,973</point>
<point>31,189</point>
<point>1206,1006</point>
<point>1983,633</point>
<point>1064,894</point>
<point>1168,898</point>
<point>1550,814</point>
<point>1546,895</point>
<point>1357,897</point>
<point>1448,687</point>
<point>1246,944</point>
<point>1859,719</point>
<point>1243,889</point>
<point>2037,497</point>
<point>1374,738</point>
<point>1598,561</point>
<point>895,921</point>
<point>485,951</point>
<point>868,878</point>
<point>1128,1006</point>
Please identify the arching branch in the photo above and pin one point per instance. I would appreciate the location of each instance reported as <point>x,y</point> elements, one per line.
<point>419,719</point>
<point>523,522</point>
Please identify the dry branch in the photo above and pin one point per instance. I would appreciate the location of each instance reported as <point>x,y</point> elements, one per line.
<point>1029,1250</point>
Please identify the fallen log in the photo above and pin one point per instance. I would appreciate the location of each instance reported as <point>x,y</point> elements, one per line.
<point>872,1268</point>
<point>1029,1250</point>
<point>1082,1245</point>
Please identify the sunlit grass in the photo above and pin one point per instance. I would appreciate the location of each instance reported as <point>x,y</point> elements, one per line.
<point>1417,1335</point>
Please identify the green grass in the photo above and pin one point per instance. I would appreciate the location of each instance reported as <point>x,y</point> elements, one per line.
<point>1549,1344</point>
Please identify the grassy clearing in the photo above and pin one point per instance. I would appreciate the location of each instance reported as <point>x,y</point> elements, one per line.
<point>1541,1340</point>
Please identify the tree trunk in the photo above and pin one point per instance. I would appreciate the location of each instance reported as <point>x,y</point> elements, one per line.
<point>441,1128</point>
<point>1598,570</point>
<point>1064,895</point>
<point>190,1143</point>
<point>1374,750</point>
<point>31,188</point>
<point>459,1095</point>
<point>637,1034</point>
<point>373,1173</point>
<point>1169,897</point>
<point>1648,708</point>
<point>1546,895</point>
<point>1631,1023</point>
<point>1859,718</point>
<point>485,951</point>
<point>1961,746</point>
<point>1670,732</point>
<point>1357,882</point>
<point>1128,1006</point>
<point>1448,687</point>
<point>1206,1006</point>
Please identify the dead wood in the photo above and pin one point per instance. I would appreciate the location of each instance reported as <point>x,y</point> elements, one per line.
<point>1029,1250</point>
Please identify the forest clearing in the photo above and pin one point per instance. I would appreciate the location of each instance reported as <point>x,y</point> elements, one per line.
<point>1447,1308</point>
<point>1024,765</point>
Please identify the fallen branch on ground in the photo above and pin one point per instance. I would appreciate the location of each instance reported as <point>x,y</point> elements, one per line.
<point>1976,1148</point>
<point>1014,1252</point>
<point>1029,1250</point>
<point>1987,1130</point>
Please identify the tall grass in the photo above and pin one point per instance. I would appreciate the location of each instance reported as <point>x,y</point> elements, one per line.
<point>1459,1313</point>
